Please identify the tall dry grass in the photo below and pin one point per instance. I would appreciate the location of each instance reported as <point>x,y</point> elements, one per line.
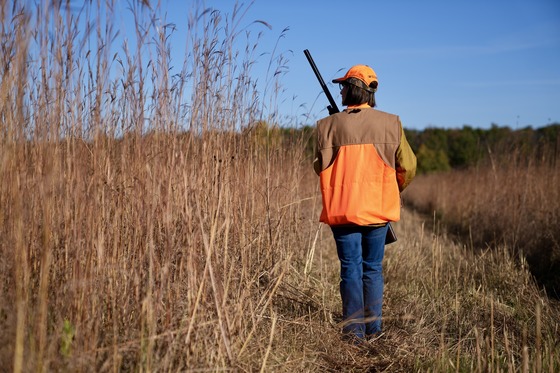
<point>138,229</point>
<point>150,221</point>
<point>508,203</point>
<point>452,309</point>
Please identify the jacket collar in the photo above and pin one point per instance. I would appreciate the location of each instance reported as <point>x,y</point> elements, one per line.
<point>351,108</point>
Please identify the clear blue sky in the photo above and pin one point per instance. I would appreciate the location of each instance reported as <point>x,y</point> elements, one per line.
<point>439,63</point>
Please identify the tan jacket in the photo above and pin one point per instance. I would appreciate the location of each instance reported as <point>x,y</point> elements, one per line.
<point>364,161</point>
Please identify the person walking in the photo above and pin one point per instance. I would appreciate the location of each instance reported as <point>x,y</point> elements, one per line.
<point>364,162</point>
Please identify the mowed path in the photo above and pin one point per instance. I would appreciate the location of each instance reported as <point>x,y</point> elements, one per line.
<point>311,333</point>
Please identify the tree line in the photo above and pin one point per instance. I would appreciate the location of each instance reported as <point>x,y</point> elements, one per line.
<point>439,149</point>
<point>444,149</point>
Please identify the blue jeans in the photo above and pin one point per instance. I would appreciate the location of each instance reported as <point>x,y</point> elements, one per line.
<point>360,250</point>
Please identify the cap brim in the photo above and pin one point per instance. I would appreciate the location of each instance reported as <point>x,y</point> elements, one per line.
<point>338,80</point>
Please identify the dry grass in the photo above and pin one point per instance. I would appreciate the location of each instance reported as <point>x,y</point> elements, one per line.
<point>141,230</point>
<point>447,308</point>
<point>511,204</point>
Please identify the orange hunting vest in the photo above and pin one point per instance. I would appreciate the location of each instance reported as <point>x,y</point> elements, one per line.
<point>356,151</point>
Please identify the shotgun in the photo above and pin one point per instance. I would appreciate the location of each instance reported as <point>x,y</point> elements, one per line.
<point>333,109</point>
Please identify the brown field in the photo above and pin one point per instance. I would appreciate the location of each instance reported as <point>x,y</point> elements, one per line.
<point>147,226</point>
<point>515,204</point>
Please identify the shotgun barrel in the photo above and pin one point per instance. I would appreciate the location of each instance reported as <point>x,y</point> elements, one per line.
<point>332,108</point>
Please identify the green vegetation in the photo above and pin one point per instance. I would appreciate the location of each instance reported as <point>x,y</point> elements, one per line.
<point>68,332</point>
<point>444,149</point>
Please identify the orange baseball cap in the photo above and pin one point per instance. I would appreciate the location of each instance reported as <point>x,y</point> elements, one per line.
<point>362,72</point>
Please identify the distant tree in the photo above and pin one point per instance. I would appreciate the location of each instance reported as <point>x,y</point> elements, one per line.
<point>464,147</point>
<point>413,138</point>
<point>430,160</point>
<point>431,147</point>
<point>496,137</point>
<point>263,134</point>
<point>293,137</point>
<point>436,139</point>
<point>549,143</point>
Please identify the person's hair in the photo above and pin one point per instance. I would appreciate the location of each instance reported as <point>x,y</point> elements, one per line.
<point>358,93</point>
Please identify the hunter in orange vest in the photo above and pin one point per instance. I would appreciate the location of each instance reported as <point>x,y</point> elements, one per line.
<point>364,161</point>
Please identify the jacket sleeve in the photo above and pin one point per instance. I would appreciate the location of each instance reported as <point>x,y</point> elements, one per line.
<point>405,163</point>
